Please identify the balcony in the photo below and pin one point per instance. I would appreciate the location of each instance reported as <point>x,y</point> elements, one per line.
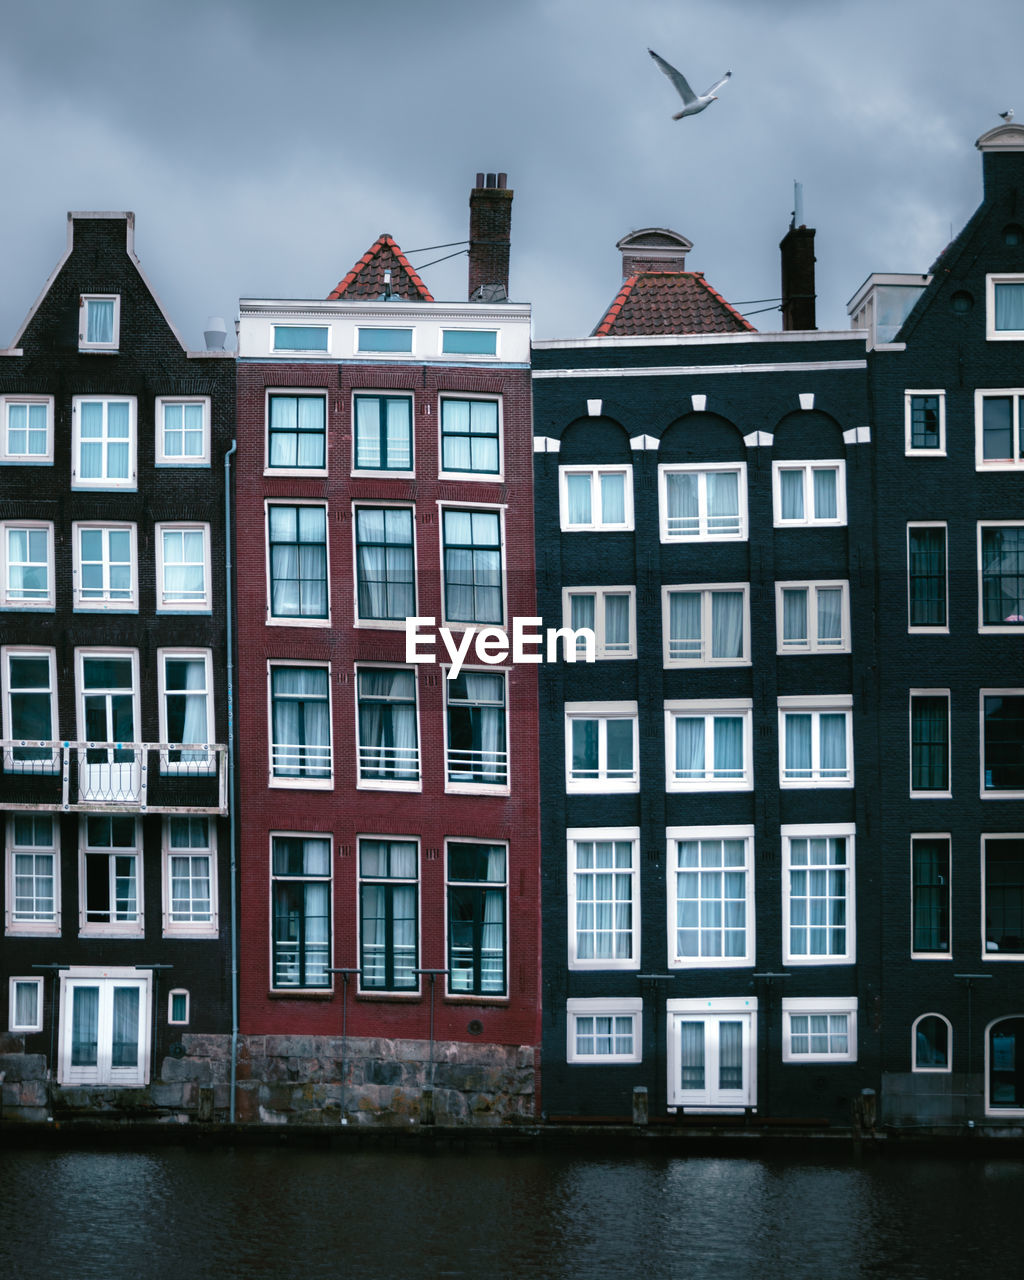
<point>489,767</point>
<point>113,777</point>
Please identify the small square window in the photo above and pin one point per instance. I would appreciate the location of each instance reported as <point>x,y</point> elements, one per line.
<point>999,429</point>
<point>812,617</point>
<point>816,742</point>
<point>925,422</point>
<point>601,747</point>
<point>1001,566</point>
<point>608,612</point>
<point>296,432</point>
<point>26,1006</point>
<point>604,1031</point>
<point>26,430</point>
<point>1005,307</point>
<point>470,437</point>
<point>26,565</point>
<point>818,894</point>
<point>183,431</point>
<point>99,321</point>
<point>103,442</point>
<point>809,493</point>
<point>927,581</point>
<point>708,745</point>
<point>703,503</point>
<point>183,568</point>
<point>105,567</point>
<point>706,626</point>
<point>177,1008</point>
<point>596,498</point>
<point>383,433</point>
<point>819,1030</point>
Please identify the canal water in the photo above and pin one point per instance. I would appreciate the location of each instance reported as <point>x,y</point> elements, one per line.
<point>188,1214</point>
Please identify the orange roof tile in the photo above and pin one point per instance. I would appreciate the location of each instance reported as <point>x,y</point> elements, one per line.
<point>366,279</point>
<point>660,302</point>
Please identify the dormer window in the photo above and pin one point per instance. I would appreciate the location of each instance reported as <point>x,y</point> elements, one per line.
<point>99,321</point>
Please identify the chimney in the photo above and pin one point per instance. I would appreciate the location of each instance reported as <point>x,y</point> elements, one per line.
<point>490,224</point>
<point>797,249</point>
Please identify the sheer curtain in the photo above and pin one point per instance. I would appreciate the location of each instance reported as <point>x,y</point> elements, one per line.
<point>1009,306</point>
<point>85,1013</point>
<point>728,747</point>
<point>316,949</point>
<point>684,640</point>
<point>692,1055</point>
<point>189,674</point>
<point>582,614</point>
<point>825,494</point>
<point>830,616</point>
<point>730,1055</point>
<point>118,444</point>
<point>794,616</point>
<point>613,499</point>
<point>310,423</point>
<point>368,413</point>
<point>184,564</point>
<point>371,572</point>
<point>399,441</point>
<point>387,725</point>
<point>833,745</point>
<point>727,624</point>
<point>100,321</point>
<point>689,747</point>
<point>616,623</point>
<point>488,760</point>
<point>125,1046</point>
<point>91,439</point>
<point>457,454</point>
<point>791,491</point>
<point>301,722</point>
<point>578,492</point>
<point>723,502</point>
<point>798,746</point>
<point>683,502</point>
<point>492,941</point>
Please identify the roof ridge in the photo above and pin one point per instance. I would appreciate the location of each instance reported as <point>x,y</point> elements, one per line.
<point>728,305</point>
<point>617,303</point>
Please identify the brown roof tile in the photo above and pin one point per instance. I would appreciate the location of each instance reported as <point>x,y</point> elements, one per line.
<point>366,279</point>
<point>659,302</point>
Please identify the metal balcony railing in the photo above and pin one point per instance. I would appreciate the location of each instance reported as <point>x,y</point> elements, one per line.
<point>489,767</point>
<point>113,777</point>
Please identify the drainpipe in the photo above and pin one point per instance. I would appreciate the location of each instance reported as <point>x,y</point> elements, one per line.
<point>231,784</point>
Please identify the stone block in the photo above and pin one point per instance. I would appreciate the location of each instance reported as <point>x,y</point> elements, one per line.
<point>33,1093</point>
<point>247,1108</point>
<point>167,1095</point>
<point>206,1046</point>
<point>27,1115</point>
<point>23,1066</point>
<point>11,1043</point>
<point>176,1069</point>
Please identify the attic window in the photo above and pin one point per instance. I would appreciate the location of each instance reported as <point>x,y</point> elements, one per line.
<point>301,337</point>
<point>469,342</point>
<point>1005,306</point>
<point>389,340</point>
<point>99,322</point>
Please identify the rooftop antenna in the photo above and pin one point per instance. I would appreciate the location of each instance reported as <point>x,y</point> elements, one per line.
<point>798,204</point>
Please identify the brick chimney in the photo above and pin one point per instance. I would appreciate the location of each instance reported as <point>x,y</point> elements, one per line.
<point>490,225</point>
<point>797,249</point>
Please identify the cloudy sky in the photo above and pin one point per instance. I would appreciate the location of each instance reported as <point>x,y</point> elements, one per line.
<point>264,146</point>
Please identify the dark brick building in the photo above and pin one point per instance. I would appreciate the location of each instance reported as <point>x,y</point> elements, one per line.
<point>113,678</point>
<point>389,815</point>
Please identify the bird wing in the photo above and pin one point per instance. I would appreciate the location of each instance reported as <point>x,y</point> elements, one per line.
<point>677,78</point>
<point>717,85</point>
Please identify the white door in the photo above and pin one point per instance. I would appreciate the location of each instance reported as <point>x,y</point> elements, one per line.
<point>712,1063</point>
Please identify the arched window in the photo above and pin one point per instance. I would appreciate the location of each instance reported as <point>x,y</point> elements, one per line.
<point>931,1040</point>
<point>1005,1062</point>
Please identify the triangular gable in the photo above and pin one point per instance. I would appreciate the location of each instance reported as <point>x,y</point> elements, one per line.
<point>669,302</point>
<point>366,279</point>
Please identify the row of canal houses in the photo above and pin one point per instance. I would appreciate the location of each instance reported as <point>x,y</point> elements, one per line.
<point>749,850</point>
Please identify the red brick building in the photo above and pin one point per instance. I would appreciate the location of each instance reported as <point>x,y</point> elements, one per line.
<point>388,814</point>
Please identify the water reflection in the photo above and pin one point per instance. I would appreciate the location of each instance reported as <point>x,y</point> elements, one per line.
<point>229,1213</point>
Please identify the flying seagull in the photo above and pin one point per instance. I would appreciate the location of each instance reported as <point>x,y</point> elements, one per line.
<point>691,102</point>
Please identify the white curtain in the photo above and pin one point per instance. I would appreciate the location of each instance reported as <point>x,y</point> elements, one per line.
<point>692,1055</point>
<point>1009,306</point>
<point>582,614</point>
<point>455,426</point>
<point>310,423</point>
<point>730,1055</point>
<point>825,494</point>
<point>833,745</point>
<point>186,711</point>
<point>125,1047</point>
<point>794,616</point>
<point>85,1013</point>
<point>118,443</point>
<point>399,435</point>
<point>997,427</point>
<point>184,565</point>
<point>368,433</point>
<point>616,623</point>
<point>487,719</point>
<point>385,562</point>
<point>723,502</point>
<point>727,624</point>
<point>387,725</point>
<point>317,943</point>
<point>683,501</point>
<point>578,490</point>
<point>728,747</point>
<point>100,321</point>
<point>684,639</point>
<point>613,499</point>
<point>91,444</point>
<point>830,616</point>
<point>689,748</point>
<point>492,940</point>
<point>791,489</point>
<point>798,746</point>
<point>301,725</point>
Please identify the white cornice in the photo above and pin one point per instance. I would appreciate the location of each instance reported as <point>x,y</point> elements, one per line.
<point>699,339</point>
<point>705,370</point>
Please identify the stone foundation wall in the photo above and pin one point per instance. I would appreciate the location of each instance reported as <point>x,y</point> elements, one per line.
<point>294,1080</point>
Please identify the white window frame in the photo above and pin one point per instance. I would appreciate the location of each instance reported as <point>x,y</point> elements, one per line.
<point>7,652</point>
<point>388,624</point>
<point>306,352</point>
<point>920,793</point>
<point>134,928</point>
<point>992,279</point>
<point>31,928</point>
<point>189,928</point>
<point>990,628</point>
<point>452,993</point>
<point>104,604</point>
<point>283,877</point>
<point>920,628</point>
<point>815,707</point>
<point>469,355</point>
<point>932,955</point>
<point>601,652</point>
<point>104,1072</point>
<point>602,712</point>
<point>291,781</point>
<point>808,468</point>
<point>994,793</point>
<point>164,459</point>
<point>908,425</point>
<point>500,788</point>
<point>821,831</point>
<point>915,1066</point>
<point>7,600</point>
<point>7,456</point>
<point>389,784</point>
<point>187,768</point>
<point>674,835</point>
<point>709,709</point>
<point>24,1028</point>
<point>104,482</point>
<point>706,591</point>
<point>812,644</point>
<point>630,1007</point>
<point>712,1010</point>
<point>83,322</point>
<point>990,1108</point>
<point>386,473</point>
<point>171,1020</point>
<point>597,522</point>
<point>587,835</point>
<point>472,507</point>
<point>826,1006</point>
<point>1016,394</point>
<point>319,393</point>
<point>288,619</point>
<point>165,605</point>
<point>495,477</point>
<point>388,353</point>
<point>702,469</point>
<point>388,993</point>
<point>997,957</point>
